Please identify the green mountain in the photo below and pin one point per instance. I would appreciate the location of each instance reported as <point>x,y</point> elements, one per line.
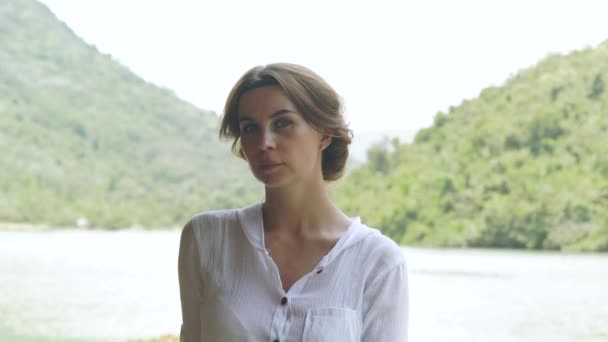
<point>524,165</point>
<point>82,136</point>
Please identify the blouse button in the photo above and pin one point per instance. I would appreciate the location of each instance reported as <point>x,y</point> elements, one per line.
<point>283,301</point>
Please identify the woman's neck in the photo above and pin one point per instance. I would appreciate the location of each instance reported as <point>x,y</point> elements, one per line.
<point>308,211</point>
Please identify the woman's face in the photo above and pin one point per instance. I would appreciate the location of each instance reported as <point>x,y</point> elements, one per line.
<point>280,146</point>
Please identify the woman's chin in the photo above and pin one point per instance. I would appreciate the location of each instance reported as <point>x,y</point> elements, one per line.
<point>272,181</point>
<point>271,177</point>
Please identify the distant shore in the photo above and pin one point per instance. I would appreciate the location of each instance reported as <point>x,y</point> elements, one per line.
<point>163,338</point>
<point>37,227</point>
<point>27,227</point>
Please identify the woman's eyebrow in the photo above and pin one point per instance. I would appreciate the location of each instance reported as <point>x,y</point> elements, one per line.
<point>277,113</point>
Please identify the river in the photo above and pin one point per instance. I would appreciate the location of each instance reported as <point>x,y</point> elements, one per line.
<point>74,285</point>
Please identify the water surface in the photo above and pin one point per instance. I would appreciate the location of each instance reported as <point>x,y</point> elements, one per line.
<point>73,285</point>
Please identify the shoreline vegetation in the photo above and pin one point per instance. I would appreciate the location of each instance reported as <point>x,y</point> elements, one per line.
<point>32,227</point>
<point>162,338</point>
<point>11,227</point>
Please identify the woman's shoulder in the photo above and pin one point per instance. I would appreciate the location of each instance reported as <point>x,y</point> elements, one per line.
<point>380,249</point>
<point>217,214</point>
<point>218,218</point>
<point>215,232</point>
<point>211,219</point>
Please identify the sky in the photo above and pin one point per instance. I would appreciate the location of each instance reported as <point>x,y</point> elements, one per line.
<point>395,63</point>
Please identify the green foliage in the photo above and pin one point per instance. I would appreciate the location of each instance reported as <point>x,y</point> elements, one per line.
<point>378,155</point>
<point>82,136</point>
<point>524,165</point>
<point>597,89</point>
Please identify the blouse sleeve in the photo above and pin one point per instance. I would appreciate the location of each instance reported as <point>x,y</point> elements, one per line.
<point>386,317</point>
<point>190,285</point>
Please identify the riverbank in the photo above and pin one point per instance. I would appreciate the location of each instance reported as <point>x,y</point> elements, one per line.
<point>27,227</point>
<point>33,227</point>
<point>163,338</point>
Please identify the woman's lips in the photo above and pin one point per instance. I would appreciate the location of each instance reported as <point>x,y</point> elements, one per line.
<point>270,166</point>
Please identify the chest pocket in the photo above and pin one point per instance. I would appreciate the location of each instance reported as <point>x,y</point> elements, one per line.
<point>332,325</point>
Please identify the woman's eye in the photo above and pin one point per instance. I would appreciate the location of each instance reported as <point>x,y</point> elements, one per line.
<point>282,123</point>
<point>248,129</point>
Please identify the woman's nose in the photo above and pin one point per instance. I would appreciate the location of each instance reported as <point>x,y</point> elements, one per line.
<point>267,141</point>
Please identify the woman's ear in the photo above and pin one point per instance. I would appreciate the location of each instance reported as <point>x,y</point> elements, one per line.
<point>325,141</point>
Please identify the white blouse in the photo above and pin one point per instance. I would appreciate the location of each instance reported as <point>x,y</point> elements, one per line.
<point>230,288</point>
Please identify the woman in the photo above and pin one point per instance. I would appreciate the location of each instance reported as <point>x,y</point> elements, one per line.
<point>293,268</point>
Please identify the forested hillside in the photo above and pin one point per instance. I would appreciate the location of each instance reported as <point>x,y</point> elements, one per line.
<point>524,165</point>
<point>82,136</point>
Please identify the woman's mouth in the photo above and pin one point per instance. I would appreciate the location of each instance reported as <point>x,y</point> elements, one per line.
<point>270,166</point>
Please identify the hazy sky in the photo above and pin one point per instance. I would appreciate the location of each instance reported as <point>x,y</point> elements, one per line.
<point>396,63</point>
